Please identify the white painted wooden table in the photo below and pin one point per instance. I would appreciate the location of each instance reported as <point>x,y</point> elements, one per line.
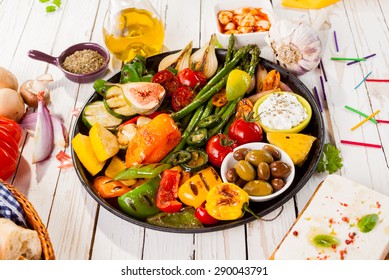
<point>80,229</point>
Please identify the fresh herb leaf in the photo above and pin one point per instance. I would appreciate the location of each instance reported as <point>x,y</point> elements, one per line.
<point>51,5</point>
<point>330,159</point>
<point>51,9</point>
<point>57,3</point>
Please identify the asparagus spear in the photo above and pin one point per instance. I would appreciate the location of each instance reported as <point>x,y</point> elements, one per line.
<point>213,86</point>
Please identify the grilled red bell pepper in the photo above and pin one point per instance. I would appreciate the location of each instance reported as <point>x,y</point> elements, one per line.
<point>168,191</point>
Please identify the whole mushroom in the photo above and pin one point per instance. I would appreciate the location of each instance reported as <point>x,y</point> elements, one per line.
<point>29,90</point>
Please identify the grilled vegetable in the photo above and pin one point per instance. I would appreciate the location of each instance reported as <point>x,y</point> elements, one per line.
<point>104,143</point>
<point>140,202</point>
<point>167,191</point>
<point>153,141</point>
<point>194,191</point>
<point>227,201</point>
<point>84,151</point>
<point>185,218</point>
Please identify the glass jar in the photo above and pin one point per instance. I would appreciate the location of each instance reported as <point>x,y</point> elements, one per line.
<point>132,27</point>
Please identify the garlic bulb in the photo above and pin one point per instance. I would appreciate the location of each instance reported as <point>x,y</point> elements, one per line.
<point>179,60</point>
<point>297,45</point>
<point>205,60</point>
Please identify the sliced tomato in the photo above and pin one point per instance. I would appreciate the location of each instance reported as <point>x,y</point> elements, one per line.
<point>10,136</point>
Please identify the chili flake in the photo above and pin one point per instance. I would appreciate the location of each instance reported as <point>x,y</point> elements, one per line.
<point>83,62</point>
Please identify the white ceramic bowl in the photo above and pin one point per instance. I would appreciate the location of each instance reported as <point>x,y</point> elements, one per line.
<point>257,38</point>
<point>229,162</point>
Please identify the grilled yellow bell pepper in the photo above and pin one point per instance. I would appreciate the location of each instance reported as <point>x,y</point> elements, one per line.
<point>114,167</point>
<point>194,191</point>
<point>226,201</point>
<point>104,143</point>
<point>84,151</point>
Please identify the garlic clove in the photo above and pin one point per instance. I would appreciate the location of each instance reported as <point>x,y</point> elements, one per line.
<point>179,60</point>
<point>296,44</point>
<point>204,59</point>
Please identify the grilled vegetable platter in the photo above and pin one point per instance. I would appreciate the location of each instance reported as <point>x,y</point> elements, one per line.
<point>149,142</point>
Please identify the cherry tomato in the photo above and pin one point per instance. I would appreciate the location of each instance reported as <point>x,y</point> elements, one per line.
<point>245,131</point>
<point>162,76</point>
<point>203,216</point>
<point>10,136</point>
<point>182,97</point>
<point>166,79</point>
<point>218,147</point>
<point>191,78</point>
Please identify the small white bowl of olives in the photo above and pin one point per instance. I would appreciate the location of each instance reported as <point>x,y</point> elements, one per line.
<point>263,170</point>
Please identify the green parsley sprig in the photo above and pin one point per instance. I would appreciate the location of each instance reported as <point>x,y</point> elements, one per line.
<point>330,159</point>
<point>51,5</point>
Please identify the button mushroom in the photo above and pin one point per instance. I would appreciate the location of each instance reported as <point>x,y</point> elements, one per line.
<point>29,90</point>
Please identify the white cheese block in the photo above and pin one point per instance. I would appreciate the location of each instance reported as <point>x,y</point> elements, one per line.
<point>334,211</point>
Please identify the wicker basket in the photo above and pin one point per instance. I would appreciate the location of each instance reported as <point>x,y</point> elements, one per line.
<point>34,222</point>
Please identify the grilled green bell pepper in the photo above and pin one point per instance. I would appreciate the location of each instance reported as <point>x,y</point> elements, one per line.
<point>101,87</point>
<point>140,202</point>
<point>138,171</point>
<point>185,218</point>
<point>129,74</point>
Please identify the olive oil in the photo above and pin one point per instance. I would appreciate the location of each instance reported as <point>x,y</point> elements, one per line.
<point>134,31</point>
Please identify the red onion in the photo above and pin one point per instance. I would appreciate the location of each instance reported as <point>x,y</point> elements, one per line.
<point>61,136</point>
<point>44,133</point>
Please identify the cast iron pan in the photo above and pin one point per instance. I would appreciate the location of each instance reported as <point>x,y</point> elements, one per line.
<point>315,128</point>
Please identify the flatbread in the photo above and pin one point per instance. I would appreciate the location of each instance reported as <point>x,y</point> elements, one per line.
<point>334,210</point>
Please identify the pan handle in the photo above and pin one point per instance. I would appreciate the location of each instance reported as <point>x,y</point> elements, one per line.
<point>38,55</point>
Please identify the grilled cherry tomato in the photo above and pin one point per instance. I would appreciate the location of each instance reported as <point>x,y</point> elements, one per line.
<point>168,80</point>
<point>245,131</point>
<point>218,146</point>
<point>191,78</point>
<point>162,76</point>
<point>203,216</point>
<point>182,97</point>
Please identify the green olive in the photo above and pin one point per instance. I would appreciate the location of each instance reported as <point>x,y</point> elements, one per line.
<point>263,171</point>
<point>240,154</point>
<point>255,157</point>
<point>258,188</point>
<point>273,151</point>
<point>245,170</point>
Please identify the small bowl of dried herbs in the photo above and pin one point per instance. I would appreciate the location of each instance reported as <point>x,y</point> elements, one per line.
<point>81,63</point>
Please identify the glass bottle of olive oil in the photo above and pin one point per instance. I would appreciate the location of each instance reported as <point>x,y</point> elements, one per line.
<point>132,27</point>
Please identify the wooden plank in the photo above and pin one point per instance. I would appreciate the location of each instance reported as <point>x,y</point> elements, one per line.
<point>117,239</point>
<point>74,210</point>
<point>12,28</point>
